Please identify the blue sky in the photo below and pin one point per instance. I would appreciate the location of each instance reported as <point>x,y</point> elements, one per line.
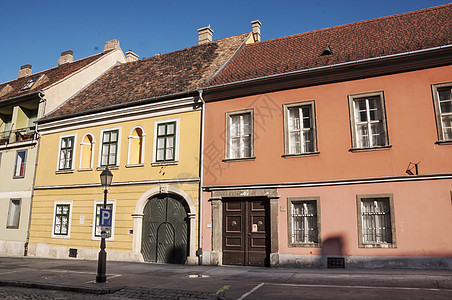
<point>36,32</point>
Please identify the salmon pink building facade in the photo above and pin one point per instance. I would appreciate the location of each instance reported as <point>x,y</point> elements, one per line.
<point>333,148</point>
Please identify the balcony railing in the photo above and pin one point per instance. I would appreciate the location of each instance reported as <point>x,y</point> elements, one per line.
<point>18,135</point>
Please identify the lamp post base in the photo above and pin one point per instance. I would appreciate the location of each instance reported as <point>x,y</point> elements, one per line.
<point>102,263</point>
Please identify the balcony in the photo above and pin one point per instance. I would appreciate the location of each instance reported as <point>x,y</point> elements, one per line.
<point>16,136</point>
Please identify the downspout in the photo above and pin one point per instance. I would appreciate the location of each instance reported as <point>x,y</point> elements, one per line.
<point>201,176</point>
<point>36,135</point>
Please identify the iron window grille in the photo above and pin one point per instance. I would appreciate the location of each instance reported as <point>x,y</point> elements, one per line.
<point>62,213</point>
<point>304,222</point>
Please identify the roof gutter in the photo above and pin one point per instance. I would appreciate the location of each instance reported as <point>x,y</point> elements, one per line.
<point>345,64</point>
<point>20,98</point>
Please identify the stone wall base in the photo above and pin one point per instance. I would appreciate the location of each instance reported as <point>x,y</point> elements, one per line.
<point>12,248</point>
<point>366,262</point>
<point>48,251</point>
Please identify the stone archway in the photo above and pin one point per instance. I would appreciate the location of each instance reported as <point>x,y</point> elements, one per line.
<point>139,213</point>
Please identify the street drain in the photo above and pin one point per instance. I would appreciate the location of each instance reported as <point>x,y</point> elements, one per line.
<point>197,276</point>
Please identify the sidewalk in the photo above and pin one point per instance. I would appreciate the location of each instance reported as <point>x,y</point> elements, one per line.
<point>202,282</point>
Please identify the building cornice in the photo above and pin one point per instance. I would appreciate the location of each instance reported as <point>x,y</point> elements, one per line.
<point>339,182</point>
<point>120,114</point>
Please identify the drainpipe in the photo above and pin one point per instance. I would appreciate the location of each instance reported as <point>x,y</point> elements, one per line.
<point>201,176</point>
<point>41,100</point>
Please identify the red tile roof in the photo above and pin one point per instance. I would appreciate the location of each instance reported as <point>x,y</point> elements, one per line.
<point>51,76</point>
<point>390,35</point>
<point>176,72</point>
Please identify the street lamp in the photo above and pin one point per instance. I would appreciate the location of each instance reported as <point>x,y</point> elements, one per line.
<point>105,179</point>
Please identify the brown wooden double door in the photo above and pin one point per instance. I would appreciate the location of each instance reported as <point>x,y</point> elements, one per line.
<point>246,232</point>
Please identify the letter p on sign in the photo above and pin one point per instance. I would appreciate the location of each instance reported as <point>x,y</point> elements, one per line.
<point>105,217</point>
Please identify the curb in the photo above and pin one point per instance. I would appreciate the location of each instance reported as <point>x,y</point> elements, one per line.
<point>56,287</point>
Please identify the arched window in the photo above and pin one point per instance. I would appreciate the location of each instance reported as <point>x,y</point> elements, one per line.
<point>86,152</point>
<point>136,146</point>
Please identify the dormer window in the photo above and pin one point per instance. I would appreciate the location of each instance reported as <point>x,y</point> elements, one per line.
<point>30,82</point>
<point>327,51</point>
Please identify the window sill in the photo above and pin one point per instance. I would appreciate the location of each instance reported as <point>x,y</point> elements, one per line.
<point>305,245</point>
<point>316,153</point>
<point>60,237</point>
<point>239,159</point>
<point>443,142</point>
<point>109,167</point>
<point>84,170</point>
<point>134,165</point>
<point>164,163</point>
<point>382,245</point>
<point>18,177</point>
<point>64,171</point>
<point>370,149</point>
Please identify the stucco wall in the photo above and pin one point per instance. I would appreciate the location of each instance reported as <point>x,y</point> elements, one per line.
<point>411,128</point>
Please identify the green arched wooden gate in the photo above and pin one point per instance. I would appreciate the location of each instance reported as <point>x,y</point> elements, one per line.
<point>165,230</point>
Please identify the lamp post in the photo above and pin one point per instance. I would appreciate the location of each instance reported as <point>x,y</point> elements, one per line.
<point>105,179</point>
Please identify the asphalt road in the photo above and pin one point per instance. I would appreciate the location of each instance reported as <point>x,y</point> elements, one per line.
<point>74,279</point>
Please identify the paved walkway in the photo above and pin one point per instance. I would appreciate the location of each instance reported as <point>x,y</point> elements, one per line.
<point>163,281</point>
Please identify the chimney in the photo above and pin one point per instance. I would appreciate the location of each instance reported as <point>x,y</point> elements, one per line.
<point>130,56</point>
<point>256,30</point>
<point>110,45</point>
<point>25,70</point>
<point>66,57</point>
<point>204,35</point>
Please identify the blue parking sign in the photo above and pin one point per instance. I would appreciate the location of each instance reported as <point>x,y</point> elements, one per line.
<point>105,217</point>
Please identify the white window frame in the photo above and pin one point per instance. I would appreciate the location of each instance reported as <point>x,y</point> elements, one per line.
<point>376,244</point>
<point>73,152</point>
<point>16,217</point>
<point>68,235</point>
<point>228,143</point>
<point>177,138</point>
<point>82,143</point>
<point>287,131</point>
<point>101,202</point>
<point>143,143</point>
<point>439,114</point>
<point>25,164</point>
<point>356,145</point>
<point>290,218</point>
<point>118,152</point>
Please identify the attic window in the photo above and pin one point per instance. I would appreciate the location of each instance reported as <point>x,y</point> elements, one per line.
<point>327,51</point>
<point>30,82</point>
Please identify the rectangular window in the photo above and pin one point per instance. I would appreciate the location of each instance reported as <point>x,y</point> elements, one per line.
<point>300,128</point>
<point>368,120</point>
<point>66,153</point>
<point>97,230</point>
<point>304,226</point>
<point>166,141</point>
<point>13,214</point>
<point>62,220</point>
<point>19,169</point>
<point>376,221</point>
<point>109,148</point>
<point>239,135</point>
<point>442,96</point>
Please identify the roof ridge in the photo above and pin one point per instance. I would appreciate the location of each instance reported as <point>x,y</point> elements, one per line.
<point>55,67</point>
<point>185,49</point>
<point>357,23</point>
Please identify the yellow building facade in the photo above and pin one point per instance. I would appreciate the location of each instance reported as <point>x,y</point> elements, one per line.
<point>153,152</point>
